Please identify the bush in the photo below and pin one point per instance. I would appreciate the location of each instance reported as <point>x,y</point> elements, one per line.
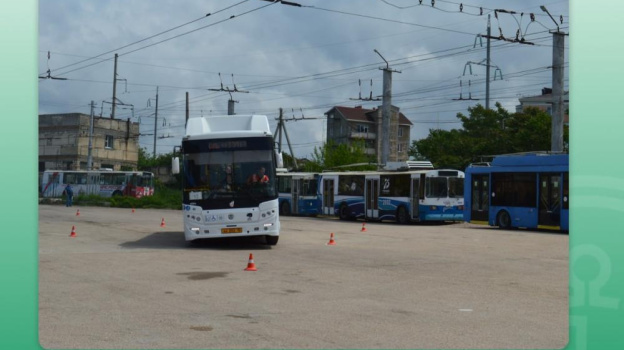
<point>163,198</point>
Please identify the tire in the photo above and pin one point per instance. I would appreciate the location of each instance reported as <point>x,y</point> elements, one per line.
<point>271,240</point>
<point>401,216</point>
<point>285,209</point>
<point>503,220</point>
<point>343,212</point>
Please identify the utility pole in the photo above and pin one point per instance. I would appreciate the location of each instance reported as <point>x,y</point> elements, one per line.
<point>231,105</point>
<point>187,110</point>
<point>556,140</point>
<point>386,110</point>
<point>227,89</point>
<point>281,126</point>
<point>487,67</point>
<point>89,156</point>
<point>155,122</point>
<point>114,87</point>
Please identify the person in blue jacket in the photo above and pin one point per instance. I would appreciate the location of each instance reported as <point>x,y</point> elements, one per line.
<point>69,193</point>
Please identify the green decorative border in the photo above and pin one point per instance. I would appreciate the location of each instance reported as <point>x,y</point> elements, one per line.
<point>597,181</point>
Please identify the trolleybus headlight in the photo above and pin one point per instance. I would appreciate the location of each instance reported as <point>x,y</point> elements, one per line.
<point>460,207</point>
<point>433,207</point>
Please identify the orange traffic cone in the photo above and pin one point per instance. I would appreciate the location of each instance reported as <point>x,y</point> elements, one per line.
<point>251,266</point>
<point>162,223</point>
<point>363,227</point>
<point>331,240</point>
<point>73,232</point>
<point>78,212</point>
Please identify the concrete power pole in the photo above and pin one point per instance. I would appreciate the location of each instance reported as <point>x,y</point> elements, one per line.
<point>557,83</point>
<point>487,67</point>
<point>114,87</point>
<point>156,122</point>
<point>89,155</point>
<point>231,106</point>
<point>187,110</point>
<point>556,141</point>
<point>282,127</point>
<point>386,110</point>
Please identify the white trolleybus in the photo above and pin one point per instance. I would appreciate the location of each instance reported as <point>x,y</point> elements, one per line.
<point>228,166</point>
<point>105,183</point>
<point>403,196</point>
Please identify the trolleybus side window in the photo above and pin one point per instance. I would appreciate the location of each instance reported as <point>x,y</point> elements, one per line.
<point>436,187</point>
<point>514,189</point>
<point>456,187</point>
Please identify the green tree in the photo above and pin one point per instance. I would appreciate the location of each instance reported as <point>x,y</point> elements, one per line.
<point>486,133</point>
<point>332,155</point>
<point>147,161</point>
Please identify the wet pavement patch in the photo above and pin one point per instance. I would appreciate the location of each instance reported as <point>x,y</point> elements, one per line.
<point>202,328</point>
<point>203,275</point>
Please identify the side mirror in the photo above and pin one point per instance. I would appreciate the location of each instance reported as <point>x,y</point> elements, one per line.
<point>175,165</point>
<point>280,159</point>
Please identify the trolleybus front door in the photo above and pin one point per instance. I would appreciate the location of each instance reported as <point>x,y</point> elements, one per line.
<point>414,198</point>
<point>480,205</point>
<point>549,201</point>
<point>328,196</point>
<point>372,198</point>
<point>296,190</point>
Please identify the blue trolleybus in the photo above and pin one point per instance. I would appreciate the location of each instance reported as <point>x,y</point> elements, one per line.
<point>298,193</point>
<point>401,196</point>
<point>521,190</point>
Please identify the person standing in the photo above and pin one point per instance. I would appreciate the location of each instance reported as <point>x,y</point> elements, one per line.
<point>69,193</point>
<point>259,177</point>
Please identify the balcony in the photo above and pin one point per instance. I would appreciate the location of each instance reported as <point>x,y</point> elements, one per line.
<point>363,135</point>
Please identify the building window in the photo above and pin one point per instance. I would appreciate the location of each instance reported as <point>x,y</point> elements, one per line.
<point>362,128</point>
<point>400,131</point>
<point>108,142</point>
<point>400,145</point>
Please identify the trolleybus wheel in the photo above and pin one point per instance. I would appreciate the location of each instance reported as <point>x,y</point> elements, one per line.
<point>504,220</point>
<point>271,240</point>
<point>343,212</point>
<point>401,216</point>
<point>285,209</point>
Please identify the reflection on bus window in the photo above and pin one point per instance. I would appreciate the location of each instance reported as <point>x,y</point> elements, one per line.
<point>436,187</point>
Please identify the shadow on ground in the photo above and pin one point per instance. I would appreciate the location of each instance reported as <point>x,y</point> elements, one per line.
<point>173,240</point>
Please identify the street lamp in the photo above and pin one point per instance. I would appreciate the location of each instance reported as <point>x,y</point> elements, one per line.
<point>543,8</point>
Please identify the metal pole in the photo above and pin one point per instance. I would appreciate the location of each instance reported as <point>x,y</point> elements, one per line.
<point>385,115</point>
<point>280,127</point>
<point>230,107</point>
<point>155,122</point>
<point>290,147</point>
<point>89,156</point>
<point>487,67</point>
<point>114,88</point>
<point>187,110</point>
<point>557,83</point>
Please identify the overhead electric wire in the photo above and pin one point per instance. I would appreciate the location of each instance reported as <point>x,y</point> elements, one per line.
<point>150,37</point>
<point>174,37</point>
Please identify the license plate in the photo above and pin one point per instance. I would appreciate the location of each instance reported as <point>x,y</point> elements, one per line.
<point>232,230</point>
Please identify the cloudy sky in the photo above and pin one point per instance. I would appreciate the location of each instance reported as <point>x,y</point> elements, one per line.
<point>303,59</point>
